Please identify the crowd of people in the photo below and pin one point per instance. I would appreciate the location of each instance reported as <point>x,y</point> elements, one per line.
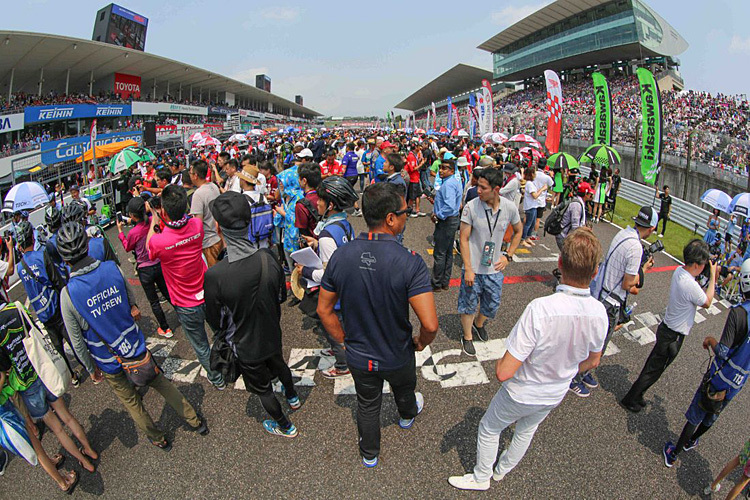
<point>216,232</point>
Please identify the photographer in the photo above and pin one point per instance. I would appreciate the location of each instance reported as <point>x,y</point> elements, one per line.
<point>685,296</point>
<point>617,277</point>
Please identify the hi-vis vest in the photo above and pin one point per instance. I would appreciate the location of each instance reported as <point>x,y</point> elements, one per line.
<point>96,248</point>
<point>42,294</point>
<point>736,368</point>
<point>101,298</point>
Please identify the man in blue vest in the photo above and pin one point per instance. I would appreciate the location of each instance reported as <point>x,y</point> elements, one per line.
<point>100,313</point>
<point>99,247</point>
<point>42,282</point>
<point>53,219</point>
<point>335,194</point>
<point>725,376</point>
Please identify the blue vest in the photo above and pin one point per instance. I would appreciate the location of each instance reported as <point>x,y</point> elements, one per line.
<point>101,298</point>
<point>731,374</point>
<point>42,294</point>
<point>342,233</point>
<point>96,248</point>
<point>261,224</point>
<point>55,256</point>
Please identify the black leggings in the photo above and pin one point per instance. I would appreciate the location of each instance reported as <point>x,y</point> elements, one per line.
<point>258,377</point>
<point>689,433</point>
<point>151,277</point>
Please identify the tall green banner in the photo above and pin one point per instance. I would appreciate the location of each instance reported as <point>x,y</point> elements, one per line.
<point>603,104</point>
<point>651,126</point>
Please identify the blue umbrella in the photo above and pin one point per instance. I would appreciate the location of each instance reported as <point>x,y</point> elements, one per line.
<point>716,198</point>
<point>25,196</point>
<point>740,205</point>
<point>13,435</point>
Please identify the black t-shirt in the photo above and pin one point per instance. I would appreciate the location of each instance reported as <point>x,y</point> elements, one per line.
<point>615,182</point>
<point>666,203</point>
<point>735,328</point>
<point>251,300</point>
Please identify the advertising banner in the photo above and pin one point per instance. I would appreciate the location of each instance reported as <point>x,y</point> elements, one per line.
<point>489,115</point>
<point>219,110</point>
<point>73,147</point>
<point>155,108</point>
<point>9,123</point>
<point>37,114</point>
<point>434,117</point>
<point>554,110</point>
<point>449,125</point>
<point>128,86</point>
<point>651,126</point>
<point>456,118</point>
<point>603,105</point>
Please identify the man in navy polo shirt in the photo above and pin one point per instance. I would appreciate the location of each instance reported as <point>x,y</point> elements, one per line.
<point>375,305</point>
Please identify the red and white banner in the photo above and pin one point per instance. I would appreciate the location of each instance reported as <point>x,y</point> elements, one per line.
<point>554,111</point>
<point>456,118</point>
<point>489,119</point>
<point>434,117</point>
<point>128,85</point>
<point>166,129</point>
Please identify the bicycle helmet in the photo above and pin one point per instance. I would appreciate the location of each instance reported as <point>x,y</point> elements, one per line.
<point>74,211</point>
<point>53,217</point>
<point>24,233</point>
<point>72,241</point>
<point>338,191</point>
<point>745,277</point>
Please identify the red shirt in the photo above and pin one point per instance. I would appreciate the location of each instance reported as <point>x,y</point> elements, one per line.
<point>303,219</point>
<point>334,169</point>
<point>272,185</point>
<point>411,167</point>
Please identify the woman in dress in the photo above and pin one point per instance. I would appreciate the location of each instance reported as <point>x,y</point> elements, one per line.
<point>713,225</point>
<point>600,195</point>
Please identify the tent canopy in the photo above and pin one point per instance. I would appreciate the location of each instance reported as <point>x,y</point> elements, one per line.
<point>106,150</point>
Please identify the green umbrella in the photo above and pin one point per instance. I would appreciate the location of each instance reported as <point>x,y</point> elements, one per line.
<point>123,160</point>
<point>560,161</point>
<point>602,155</point>
<point>144,153</point>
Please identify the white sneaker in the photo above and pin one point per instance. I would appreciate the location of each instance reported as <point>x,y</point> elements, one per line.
<point>661,236</point>
<point>467,482</point>
<point>707,490</point>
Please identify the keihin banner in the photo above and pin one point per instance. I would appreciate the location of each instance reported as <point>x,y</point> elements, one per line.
<point>489,124</point>
<point>651,126</point>
<point>603,105</point>
<point>37,114</point>
<point>9,123</point>
<point>128,85</point>
<point>73,147</point>
<point>554,110</point>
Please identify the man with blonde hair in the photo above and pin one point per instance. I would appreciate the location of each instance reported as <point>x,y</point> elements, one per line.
<point>556,337</point>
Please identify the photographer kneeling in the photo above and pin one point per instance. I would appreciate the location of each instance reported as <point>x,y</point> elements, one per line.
<point>685,296</point>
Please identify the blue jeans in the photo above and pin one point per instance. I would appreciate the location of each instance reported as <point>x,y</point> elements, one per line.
<point>528,226</point>
<point>193,321</point>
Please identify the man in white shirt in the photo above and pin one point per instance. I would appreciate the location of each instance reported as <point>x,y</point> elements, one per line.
<point>556,337</point>
<point>541,180</point>
<point>685,297</point>
<point>511,190</point>
<point>233,182</point>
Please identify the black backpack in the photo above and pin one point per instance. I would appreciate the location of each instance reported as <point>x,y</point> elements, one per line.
<point>553,224</point>
<point>310,208</point>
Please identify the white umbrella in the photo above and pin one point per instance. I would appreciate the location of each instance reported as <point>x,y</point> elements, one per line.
<point>740,205</point>
<point>25,196</point>
<point>462,133</point>
<point>499,138</point>
<point>198,136</point>
<point>208,141</point>
<point>487,137</point>
<point>420,131</point>
<point>237,138</point>
<point>527,139</point>
<point>717,198</point>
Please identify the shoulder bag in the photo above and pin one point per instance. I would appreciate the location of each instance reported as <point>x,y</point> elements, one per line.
<point>47,362</point>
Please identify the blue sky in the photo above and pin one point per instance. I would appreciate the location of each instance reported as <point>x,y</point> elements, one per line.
<point>354,58</point>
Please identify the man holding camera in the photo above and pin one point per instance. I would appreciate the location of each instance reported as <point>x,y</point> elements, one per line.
<point>685,296</point>
<point>617,277</point>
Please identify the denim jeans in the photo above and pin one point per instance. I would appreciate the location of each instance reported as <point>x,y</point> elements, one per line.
<point>528,226</point>
<point>445,233</point>
<point>193,321</point>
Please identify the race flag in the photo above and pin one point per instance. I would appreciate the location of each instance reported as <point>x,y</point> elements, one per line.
<point>93,141</point>
<point>651,126</point>
<point>456,118</point>
<point>449,125</point>
<point>434,117</point>
<point>554,110</point>
<point>474,114</point>
<point>487,95</point>
<point>480,99</point>
<point>603,104</point>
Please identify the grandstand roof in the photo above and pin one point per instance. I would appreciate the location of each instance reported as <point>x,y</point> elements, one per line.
<point>26,53</point>
<point>552,13</point>
<point>460,78</point>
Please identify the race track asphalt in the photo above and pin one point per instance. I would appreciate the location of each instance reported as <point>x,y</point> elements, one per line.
<point>587,448</point>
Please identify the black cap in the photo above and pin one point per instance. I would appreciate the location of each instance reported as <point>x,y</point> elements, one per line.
<point>231,210</point>
<point>510,168</point>
<point>646,217</point>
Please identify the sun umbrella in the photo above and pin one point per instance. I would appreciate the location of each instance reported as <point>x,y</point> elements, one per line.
<point>13,435</point>
<point>256,131</point>
<point>716,198</point>
<point>602,155</point>
<point>145,153</point>
<point>499,138</point>
<point>208,141</point>
<point>562,161</point>
<point>740,205</point>
<point>420,131</point>
<point>237,138</point>
<point>198,136</point>
<point>527,139</point>
<point>462,133</point>
<point>25,196</point>
<point>487,137</point>
<point>123,160</point>
<point>531,152</point>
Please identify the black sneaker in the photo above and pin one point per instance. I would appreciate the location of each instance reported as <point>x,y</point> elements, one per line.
<point>631,407</point>
<point>480,332</point>
<point>468,347</point>
<point>202,429</point>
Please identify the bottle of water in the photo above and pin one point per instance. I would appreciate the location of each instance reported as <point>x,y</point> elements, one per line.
<point>629,309</point>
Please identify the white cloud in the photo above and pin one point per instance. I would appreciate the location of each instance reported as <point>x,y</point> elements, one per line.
<point>739,44</point>
<point>286,14</point>
<point>248,75</point>
<point>512,14</point>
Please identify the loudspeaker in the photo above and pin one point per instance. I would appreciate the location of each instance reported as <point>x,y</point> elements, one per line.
<point>149,134</point>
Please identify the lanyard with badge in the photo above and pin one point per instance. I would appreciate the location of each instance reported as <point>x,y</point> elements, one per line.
<point>488,249</point>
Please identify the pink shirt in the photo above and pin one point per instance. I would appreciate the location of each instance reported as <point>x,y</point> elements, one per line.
<point>181,254</point>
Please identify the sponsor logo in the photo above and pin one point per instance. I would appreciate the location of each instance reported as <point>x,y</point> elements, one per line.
<point>109,111</point>
<point>127,87</point>
<point>5,124</point>
<point>55,113</point>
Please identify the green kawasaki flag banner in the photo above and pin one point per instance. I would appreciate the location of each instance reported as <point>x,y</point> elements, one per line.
<point>603,118</point>
<point>651,126</point>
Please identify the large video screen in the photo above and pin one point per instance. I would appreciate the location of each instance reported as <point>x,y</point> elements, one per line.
<point>127,29</point>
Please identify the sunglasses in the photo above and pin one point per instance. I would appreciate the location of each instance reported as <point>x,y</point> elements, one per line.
<point>407,211</point>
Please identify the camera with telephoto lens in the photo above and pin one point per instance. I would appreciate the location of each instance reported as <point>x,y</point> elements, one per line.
<point>651,250</point>
<point>155,202</point>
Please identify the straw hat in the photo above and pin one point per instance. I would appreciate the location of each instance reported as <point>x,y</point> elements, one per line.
<point>298,288</point>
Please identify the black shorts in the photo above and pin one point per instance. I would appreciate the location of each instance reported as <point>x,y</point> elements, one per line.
<point>540,212</point>
<point>414,191</point>
<point>352,179</point>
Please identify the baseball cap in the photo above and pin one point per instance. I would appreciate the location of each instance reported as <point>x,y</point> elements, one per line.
<point>249,173</point>
<point>462,162</point>
<point>510,168</point>
<point>646,217</point>
<point>305,153</point>
<point>486,161</point>
<point>585,188</point>
<point>448,156</point>
<point>386,144</point>
<point>231,210</point>
<point>74,187</point>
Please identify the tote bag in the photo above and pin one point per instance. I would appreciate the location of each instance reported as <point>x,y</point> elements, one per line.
<point>47,362</point>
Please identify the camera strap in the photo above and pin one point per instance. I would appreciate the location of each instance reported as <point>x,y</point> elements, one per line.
<point>604,274</point>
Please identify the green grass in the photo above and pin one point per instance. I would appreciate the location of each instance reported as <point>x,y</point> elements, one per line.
<point>674,241</point>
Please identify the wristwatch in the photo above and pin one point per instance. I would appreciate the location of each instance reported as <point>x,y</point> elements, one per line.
<point>508,256</point>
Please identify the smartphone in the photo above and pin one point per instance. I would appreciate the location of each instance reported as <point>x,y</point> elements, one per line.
<point>119,217</point>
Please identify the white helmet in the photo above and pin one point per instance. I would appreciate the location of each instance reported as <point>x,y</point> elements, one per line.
<point>745,277</point>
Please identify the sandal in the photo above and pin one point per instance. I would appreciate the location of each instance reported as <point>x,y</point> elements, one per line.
<point>91,459</point>
<point>163,444</point>
<point>57,460</point>
<point>71,486</point>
